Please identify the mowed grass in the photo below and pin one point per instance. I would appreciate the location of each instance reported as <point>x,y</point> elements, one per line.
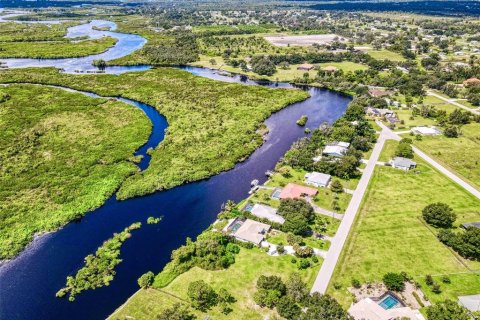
<point>51,50</point>
<point>385,54</point>
<point>389,236</point>
<point>239,280</point>
<point>61,155</point>
<point>461,154</point>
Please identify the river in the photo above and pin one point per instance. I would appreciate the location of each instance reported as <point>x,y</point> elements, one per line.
<point>29,282</point>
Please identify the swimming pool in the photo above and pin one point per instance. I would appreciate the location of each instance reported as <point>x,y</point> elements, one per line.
<point>389,302</point>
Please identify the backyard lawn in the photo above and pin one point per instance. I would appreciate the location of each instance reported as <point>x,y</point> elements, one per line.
<point>461,154</point>
<point>388,235</point>
<point>239,280</point>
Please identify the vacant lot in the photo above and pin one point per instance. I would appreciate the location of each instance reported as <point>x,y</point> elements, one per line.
<point>461,154</point>
<point>304,40</point>
<point>239,280</point>
<point>389,236</point>
<point>61,155</point>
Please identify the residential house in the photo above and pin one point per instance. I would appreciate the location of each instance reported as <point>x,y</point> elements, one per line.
<point>318,179</point>
<point>378,92</point>
<point>371,310</point>
<point>295,191</point>
<point>306,67</point>
<point>336,149</point>
<point>426,131</point>
<point>266,212</point>
<point>403,163</point>
<point>247,230</point>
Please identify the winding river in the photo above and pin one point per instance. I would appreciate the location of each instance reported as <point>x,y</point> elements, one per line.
<point>29,282</point>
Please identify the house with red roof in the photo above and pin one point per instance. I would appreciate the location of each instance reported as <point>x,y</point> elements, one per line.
<point>295,191</point>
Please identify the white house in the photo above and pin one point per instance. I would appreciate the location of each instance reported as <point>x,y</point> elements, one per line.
<point>266,212</point>
<point>403,163</point>
<point>426,131</point>
<point>336,149</point>
<point>318,179</point>
<point>247,230</point>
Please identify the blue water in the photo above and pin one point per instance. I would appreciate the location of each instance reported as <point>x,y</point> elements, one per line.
<point>28,283</point>
<point>389,302</point>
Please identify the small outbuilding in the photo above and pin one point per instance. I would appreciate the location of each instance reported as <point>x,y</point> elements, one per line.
<point>330,69</point>
<point>306,67</point>
<point>403,163</point>
<point>318,179</point>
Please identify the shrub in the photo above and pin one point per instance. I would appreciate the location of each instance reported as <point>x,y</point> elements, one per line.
<point>293,260</point>
<point>336,186</point>
<point>201,295</point>
<point>451,132</point>
<point>233,248</point>
<point>429,280</point>
<point>447,310</point>
<point>280,249</point>
<point>303,252</point>
<point>296,288</point>
<point>315,259</point>
<point>446,279</point>
<point>271,283</point>
<point>287,308</point>
<point>356,283</point>
<point>436,288</point>
<point>293,239</point>
<point>304,264</point>
<point>146,280</point>
<point>394,281</point>
<point>176,312</point>
<point>302,121</point>
<point>439,215</point>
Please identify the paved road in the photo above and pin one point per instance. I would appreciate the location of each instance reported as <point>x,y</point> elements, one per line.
<point>331,259</point>
<point>430,93</point>
<point>392,135</point>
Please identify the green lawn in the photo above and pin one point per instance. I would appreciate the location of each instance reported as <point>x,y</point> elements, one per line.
<point>388,235</point>
<point>212,124</point>
<point>51,50</point>
<point>462,154</point>
<point>239,279</point>
<point>62,154</point>
<point>281,239</point>
<point>385,54</point>
<point>405,116</point>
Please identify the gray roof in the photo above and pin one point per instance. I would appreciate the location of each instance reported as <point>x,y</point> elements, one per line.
<point>472,303</point>
<point>318,178</point>
<point>471,224</point>
<point>403,162</point>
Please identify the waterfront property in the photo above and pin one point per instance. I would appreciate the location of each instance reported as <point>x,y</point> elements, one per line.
<point>295,191</point>
<point>336,149</point>
<point>379,92</point>
<point>403,163</point>
<point>265,212</point>
<point>247,230</point>
<point>318,179</point>
<point>389,307</point>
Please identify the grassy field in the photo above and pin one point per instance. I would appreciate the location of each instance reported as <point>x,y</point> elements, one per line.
<point>51,50</point>
<point>385,54</point>
<point>461,154</point>
<point>287,75</point>
<point>220,119</point>
<point>12,32</point>
<point>239,279</point>
<point>62,154</point>
<point>388,235</point>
